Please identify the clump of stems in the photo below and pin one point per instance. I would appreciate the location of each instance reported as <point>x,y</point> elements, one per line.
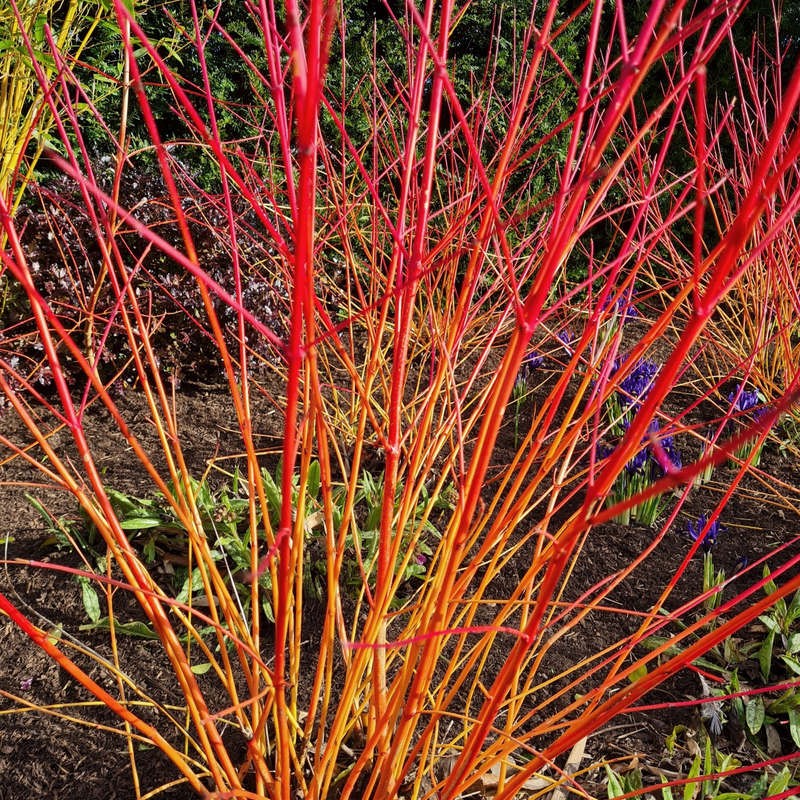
<point>444,253</point>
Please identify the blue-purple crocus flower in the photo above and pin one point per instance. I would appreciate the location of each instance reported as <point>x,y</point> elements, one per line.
<point>622,306</point>
<point>566,338</point>
<point>529,365</point>
<point>744,399</point>
<point>638,383</point>
<point>709,538</point>
<point>638,462</point>
<point>666,445</point>
<point>532,361</point>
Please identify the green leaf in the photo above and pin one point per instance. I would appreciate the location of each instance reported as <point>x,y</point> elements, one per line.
<point>708,768</point>
<point>313,481</point>
<point>759,787</point>
<point>654,642</point>
<point>200,669</point>
<point>54,634</point>
<point>780,783</point>
<point>149,550</point>
<point>639,673</point>
<point>769,586</point>
<point>786,702</point>
<point>770,622</point>
<point>633,781</point>
<point>125,506</point>
<point>672,738</point>
<point>754,714</point>
<point>48,518</point>
<point>765,655</point>
<point>792,663</point>
<point>137,628</point>
<point>373,519</point>
<point>271,492</point>
<point>614,788</point>
<point>794,725</point>
<point>711,666</point>
<point>727,763</point>
<point>196,585</point>
<point>37,32</point>
<point>91,602</point>
<point>203,496</point>
<point>692,788</point>
<point>140,523</point>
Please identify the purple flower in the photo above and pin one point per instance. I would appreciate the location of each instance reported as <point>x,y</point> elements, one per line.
<point>622,306</point>
<point>637,463</point>
<point>673,454</point>
<point>695,530</point>
<point>629,310</point>
<point>566,338</point>
<point>664,448</point>
<point>604,449</point>
<point>744,399</point>
<point>760,413</point>
<point>635,386</point>
<point>531,362</point>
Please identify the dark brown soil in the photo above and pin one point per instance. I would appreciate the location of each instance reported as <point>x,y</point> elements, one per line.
<point>43,755</point>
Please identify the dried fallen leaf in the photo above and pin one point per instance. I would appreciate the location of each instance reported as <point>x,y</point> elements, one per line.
<point>773,741</point>
<point>691,745</point>
<point>570,768</point>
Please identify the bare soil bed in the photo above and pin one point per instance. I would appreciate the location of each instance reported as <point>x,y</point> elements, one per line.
<point>43,755</point>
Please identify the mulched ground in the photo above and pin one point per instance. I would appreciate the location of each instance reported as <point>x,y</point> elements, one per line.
<point>42,755</point>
